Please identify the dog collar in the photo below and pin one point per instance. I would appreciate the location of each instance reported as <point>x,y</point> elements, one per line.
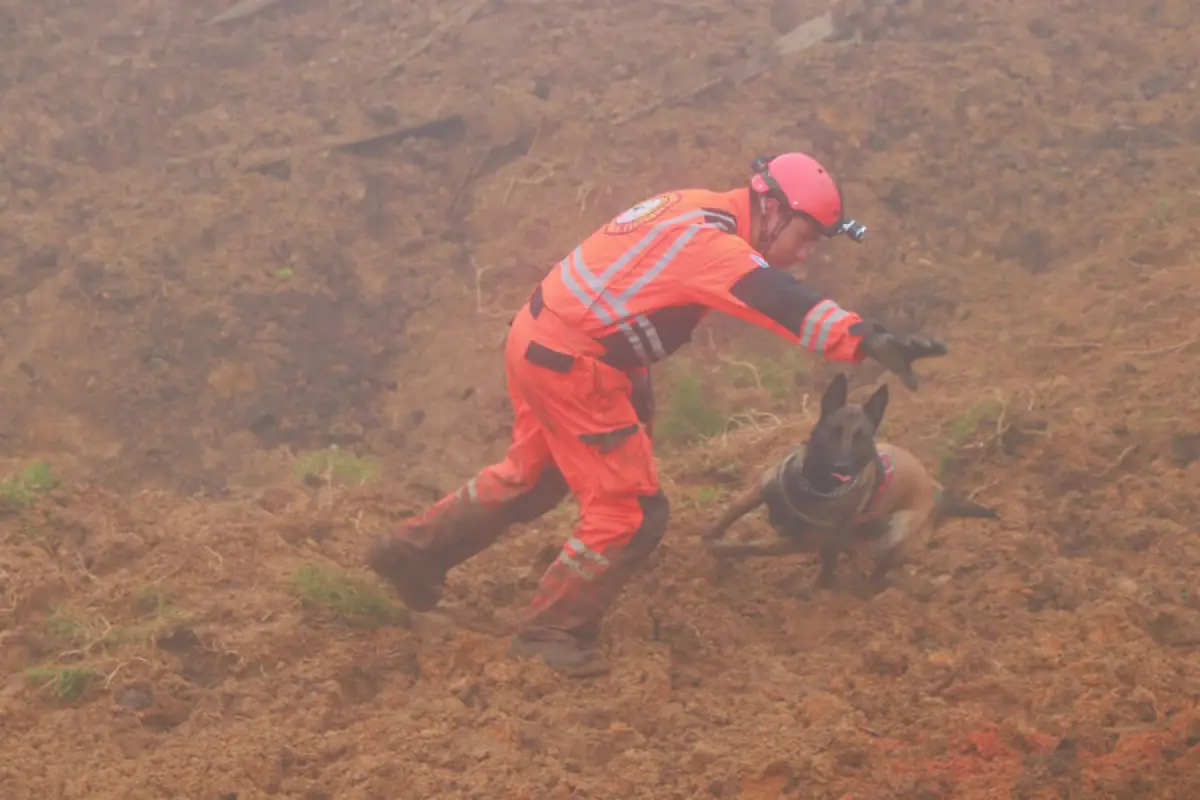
<point>883,477</point>
<point>869,475</point>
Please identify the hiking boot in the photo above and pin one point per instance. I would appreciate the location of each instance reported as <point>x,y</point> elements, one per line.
<point>416,558</point>
<point>561,651</point>
<point>562,625</point>
<point>416,580</point>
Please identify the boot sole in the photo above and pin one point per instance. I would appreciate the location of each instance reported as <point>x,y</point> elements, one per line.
<point>569,666</point>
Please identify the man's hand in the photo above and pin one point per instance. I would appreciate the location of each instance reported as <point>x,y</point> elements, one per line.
<point>897,351</point>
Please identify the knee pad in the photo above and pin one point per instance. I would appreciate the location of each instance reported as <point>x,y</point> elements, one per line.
<point>656,512</point>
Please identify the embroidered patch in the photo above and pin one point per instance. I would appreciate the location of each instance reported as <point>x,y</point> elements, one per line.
<point>645,211</point>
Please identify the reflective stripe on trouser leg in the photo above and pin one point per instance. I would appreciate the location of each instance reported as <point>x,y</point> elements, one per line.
<point>520,488</point>
<point>580,586</point>
<point>516,503</point>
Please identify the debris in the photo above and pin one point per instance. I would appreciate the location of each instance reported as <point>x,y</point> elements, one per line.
<point>280,168</point>
<point>277,164</point>
<point>677,98</point>
<point>804,36</point>
<point>451,127</point>
<point>242,10</point>
<point>464,16</point>
<point>492,160</point>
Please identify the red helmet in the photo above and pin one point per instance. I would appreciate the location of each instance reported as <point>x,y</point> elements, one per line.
<point>803,185</point>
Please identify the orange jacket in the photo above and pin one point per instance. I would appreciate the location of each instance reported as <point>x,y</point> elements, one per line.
<point>639,285</point>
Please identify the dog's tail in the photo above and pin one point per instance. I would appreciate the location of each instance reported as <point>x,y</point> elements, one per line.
<point>951,505</point>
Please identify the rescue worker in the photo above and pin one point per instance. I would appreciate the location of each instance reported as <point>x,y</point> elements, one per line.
<point>577,359</point>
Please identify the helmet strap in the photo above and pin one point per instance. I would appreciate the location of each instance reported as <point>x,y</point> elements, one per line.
<point>769,237</point>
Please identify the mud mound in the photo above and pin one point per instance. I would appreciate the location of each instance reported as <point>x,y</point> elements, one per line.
<point>254,279</point>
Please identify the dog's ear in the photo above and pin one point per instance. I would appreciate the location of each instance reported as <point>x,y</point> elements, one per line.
<point>835,396</point>
<point>875,407</point>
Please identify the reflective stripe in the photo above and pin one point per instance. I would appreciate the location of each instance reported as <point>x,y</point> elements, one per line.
<point>635,341</point>
<point>827,328</point>
<point>582,560</point>
<point>651,332</point>
<point>724,221</point>
<point>593,292</point>
<point>598,284</point>
<point>612,310</point>
<point>810,320</point>
<point>573,269</point>
<point>818,324</point>
<point>569,267</point>
<point>582,549</point>
<point>660,265</point>
<point>645,241</point>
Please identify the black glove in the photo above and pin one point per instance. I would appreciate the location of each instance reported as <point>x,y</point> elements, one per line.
<point>642,398</point>
<point>897,351</point>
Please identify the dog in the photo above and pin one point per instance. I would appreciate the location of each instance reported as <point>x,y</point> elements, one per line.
<point>842,489</point>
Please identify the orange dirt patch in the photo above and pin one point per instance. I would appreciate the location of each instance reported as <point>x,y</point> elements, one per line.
<point>226,250</point>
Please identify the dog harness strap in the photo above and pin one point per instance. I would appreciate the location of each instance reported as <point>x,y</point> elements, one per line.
<point>884,470</point>
<point>779,501</point>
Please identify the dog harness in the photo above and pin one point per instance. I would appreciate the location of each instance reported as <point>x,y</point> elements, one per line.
<point>788,513</point>
<point>884,469</point>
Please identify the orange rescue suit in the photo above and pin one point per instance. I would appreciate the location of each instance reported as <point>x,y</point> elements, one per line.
<point>628,296</point>
<point>634,290</point>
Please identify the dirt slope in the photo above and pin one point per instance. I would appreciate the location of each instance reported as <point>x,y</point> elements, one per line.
<point>211,275</point>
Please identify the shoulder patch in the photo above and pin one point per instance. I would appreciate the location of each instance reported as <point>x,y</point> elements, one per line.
<point>646,211</point>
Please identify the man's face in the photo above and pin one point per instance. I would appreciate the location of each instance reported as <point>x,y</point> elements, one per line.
<point>793,245</point>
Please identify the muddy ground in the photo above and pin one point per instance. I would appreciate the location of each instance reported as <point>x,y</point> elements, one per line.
<point>239,334</point>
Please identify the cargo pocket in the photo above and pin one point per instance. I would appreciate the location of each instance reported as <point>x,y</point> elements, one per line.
<point>608,441</point>
<point>626,465</point>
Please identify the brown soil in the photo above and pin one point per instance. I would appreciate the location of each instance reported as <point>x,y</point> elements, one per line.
<point>202,282</point>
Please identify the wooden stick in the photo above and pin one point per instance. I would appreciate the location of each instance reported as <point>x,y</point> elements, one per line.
<point>673,99</point>
<point>457,20</point>
<point>802,37</point>
<point>1175,348</point>
<point>242,10</point>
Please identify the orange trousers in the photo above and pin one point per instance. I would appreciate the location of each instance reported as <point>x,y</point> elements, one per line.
<point>574,414</point>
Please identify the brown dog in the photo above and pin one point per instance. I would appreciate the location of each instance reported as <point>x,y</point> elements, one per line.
<point>842,490</point>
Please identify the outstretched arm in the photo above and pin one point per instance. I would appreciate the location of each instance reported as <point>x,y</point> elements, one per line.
<point>739,283</point>
<point>736,280</point>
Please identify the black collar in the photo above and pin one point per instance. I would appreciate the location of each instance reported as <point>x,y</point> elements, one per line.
<point>871,478</point>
